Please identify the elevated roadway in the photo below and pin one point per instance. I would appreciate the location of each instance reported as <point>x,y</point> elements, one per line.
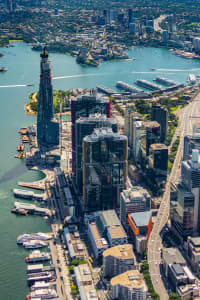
<point>186,121</point>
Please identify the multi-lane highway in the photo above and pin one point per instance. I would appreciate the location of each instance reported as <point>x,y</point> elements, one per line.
<point>187,119</point>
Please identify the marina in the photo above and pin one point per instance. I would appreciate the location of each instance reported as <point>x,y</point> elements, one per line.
<point>105,90</point>
<point>166,81</point>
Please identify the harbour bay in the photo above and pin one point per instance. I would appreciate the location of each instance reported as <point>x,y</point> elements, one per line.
<point>23,68</point>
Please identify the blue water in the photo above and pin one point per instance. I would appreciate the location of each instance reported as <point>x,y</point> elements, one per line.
<point>23,68</point>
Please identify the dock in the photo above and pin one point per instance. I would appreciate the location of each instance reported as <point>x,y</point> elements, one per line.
<point>29,195</point>
<point>106,90</point>
<point>127,87</point>
<point>149,85</point>
<point>39,268</point>
<point>166,81</point>
<point>32,209</point>
<point>36,186</point>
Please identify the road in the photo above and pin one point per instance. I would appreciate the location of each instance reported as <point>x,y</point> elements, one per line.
<point>186,121</point>
<point>157,21</point>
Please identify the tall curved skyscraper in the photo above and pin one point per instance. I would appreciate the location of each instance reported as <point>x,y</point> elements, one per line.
<point>47,127</point>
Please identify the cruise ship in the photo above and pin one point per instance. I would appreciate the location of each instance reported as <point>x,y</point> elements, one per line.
<point>42,294</point>
<point>37,256</point>
<point>37,236</point>
<point>34,244</point>
<point>42,276</point>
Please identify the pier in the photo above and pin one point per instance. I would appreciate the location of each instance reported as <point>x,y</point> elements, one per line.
<point>29,195</point>
<point>32,209</point>
<point>149,85</point>
<point>39,268</point>
<point>166,82</point>
<point>105,90</point>
<point>127,87</point>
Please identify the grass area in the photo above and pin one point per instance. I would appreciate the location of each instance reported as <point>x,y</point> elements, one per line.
<point>173,109</point>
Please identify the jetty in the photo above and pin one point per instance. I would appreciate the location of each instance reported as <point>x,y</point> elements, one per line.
<point>32,208</point>
<point>29,195</point>
<point>127,87</point>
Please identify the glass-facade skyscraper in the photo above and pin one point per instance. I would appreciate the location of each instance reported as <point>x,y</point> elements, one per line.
<point>84,127</point>
<point>47,127</point>
<point>105,169</point>
<point>83,106</point>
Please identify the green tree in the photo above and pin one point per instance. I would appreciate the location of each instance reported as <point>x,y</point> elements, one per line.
<point>174,296</point>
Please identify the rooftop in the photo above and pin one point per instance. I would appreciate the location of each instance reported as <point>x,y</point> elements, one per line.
<point>171,255</point>
<point>141,218</point>
<point>117,232</point>
<point>158,147</point>
<point>130,279</point>
<point>121,251</point>
<point>151,124</point>
<point>100,242</point>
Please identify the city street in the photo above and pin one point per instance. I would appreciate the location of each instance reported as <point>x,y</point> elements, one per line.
<point>187,119</point>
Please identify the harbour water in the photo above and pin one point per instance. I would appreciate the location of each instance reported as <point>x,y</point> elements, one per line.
<point>23,68</point>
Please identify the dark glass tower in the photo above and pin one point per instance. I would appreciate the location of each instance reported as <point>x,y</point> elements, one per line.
<point>160,114</point>
<point>47,127</point>
<point>83,106</point>
<point>84,127</point>
<point>105,155</point>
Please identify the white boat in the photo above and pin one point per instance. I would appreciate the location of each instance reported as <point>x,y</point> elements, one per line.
<point>42,276</point>
<point>34,244</point>
<point>34,236</point>
<point>43,294</point>
<point>191,79</point>
<point>38,285</point>
<point>37,256</point>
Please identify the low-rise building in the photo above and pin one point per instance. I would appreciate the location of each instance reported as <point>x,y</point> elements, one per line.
<point>105,230</point>
<point>140,226</point>
<point>170,256</point>
<point>85,283</point>
<point>135,199</point>
<point>74,244</point>
<point>117,260</point>
<point>98,243</point>
<point>129,285</point>
<point>193,252</point>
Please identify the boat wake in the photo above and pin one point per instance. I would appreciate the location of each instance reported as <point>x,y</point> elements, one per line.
<point>82,75</point>
<point>13,85</point>
<point>178,70</point>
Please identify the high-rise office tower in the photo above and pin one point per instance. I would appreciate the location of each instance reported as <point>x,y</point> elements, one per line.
<point>130,16</point>
<point>185,216</point>
<point>47,127</point>
<point>158,159</point>
<point>160,114</point>
<point>191,142</point>
<point>150,134</point>
<point>129,112</point>
<point>85,126</point>
<point>83,106</point>
<point>104,169</point>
